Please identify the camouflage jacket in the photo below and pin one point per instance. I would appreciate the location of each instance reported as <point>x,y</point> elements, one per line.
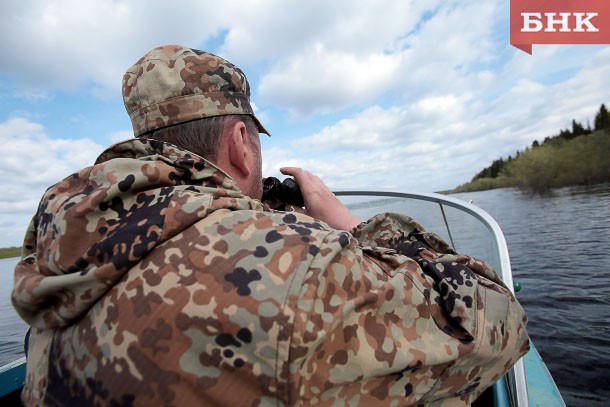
<point>149,279</point>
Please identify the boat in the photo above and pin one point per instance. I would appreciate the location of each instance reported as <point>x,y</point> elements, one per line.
<point>12,378</point>
<point>470,230</point>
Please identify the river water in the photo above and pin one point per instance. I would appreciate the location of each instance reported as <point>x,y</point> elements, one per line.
<point>12,329</point>
<point>560,252</point>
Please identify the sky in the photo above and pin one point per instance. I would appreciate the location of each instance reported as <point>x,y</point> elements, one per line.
<point>410,95</point>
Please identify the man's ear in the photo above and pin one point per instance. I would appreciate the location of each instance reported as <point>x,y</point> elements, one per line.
<point>239,148</point>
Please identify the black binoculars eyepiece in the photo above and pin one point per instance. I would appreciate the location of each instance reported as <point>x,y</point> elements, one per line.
<point>286,191</point>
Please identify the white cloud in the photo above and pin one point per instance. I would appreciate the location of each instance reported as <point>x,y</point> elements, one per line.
<point>32,96</point>
<point>373,128</point>
<point>447,51</point>
<point>423,125</point>
<point>31,162</point>
<point>120,136</point>
<point>321,80</point>
<point>439,142</point>
<point>67,43</point>
<point>442,110</point>
<point>271,30</point>
<point>71,43</point>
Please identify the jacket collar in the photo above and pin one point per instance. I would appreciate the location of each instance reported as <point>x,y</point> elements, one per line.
<point>196,168</point>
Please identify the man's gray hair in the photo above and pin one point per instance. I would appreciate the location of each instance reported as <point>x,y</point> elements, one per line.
<point>202,136</point>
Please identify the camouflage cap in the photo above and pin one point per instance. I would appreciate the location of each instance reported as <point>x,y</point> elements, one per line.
<point>174,84</point>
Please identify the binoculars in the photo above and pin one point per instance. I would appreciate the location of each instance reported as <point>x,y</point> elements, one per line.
<point>286,192</point>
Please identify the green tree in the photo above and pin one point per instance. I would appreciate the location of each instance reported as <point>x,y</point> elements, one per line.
<point>535,169</point>
<point>566,134</point>
<point>561,160</point>
<point>492,171</point>
<point>602,119</point>
<point>554,141</point>
<point>577,129</point>
<point>581,161</point>
<point>496,167</point>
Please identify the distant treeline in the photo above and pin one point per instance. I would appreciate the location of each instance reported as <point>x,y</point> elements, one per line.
<point>580,156</point>
<point>10,252</point>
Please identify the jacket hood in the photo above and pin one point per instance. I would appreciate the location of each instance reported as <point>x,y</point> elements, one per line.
<point>94,225</point>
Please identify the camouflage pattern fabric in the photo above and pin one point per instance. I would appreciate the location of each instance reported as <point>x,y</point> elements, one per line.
<point>174,84</point>
<point>149,279</point>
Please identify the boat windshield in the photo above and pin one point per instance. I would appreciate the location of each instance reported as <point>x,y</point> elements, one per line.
<point>467,234</point>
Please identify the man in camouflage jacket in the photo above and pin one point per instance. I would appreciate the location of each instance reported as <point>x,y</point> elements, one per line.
<point>157,277</point>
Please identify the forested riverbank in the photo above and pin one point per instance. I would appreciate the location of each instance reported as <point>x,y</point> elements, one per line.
<point>8,252</point>
<point>580,156</point>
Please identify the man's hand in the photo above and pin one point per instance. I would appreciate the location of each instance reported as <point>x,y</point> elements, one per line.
<point>320,202</point>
